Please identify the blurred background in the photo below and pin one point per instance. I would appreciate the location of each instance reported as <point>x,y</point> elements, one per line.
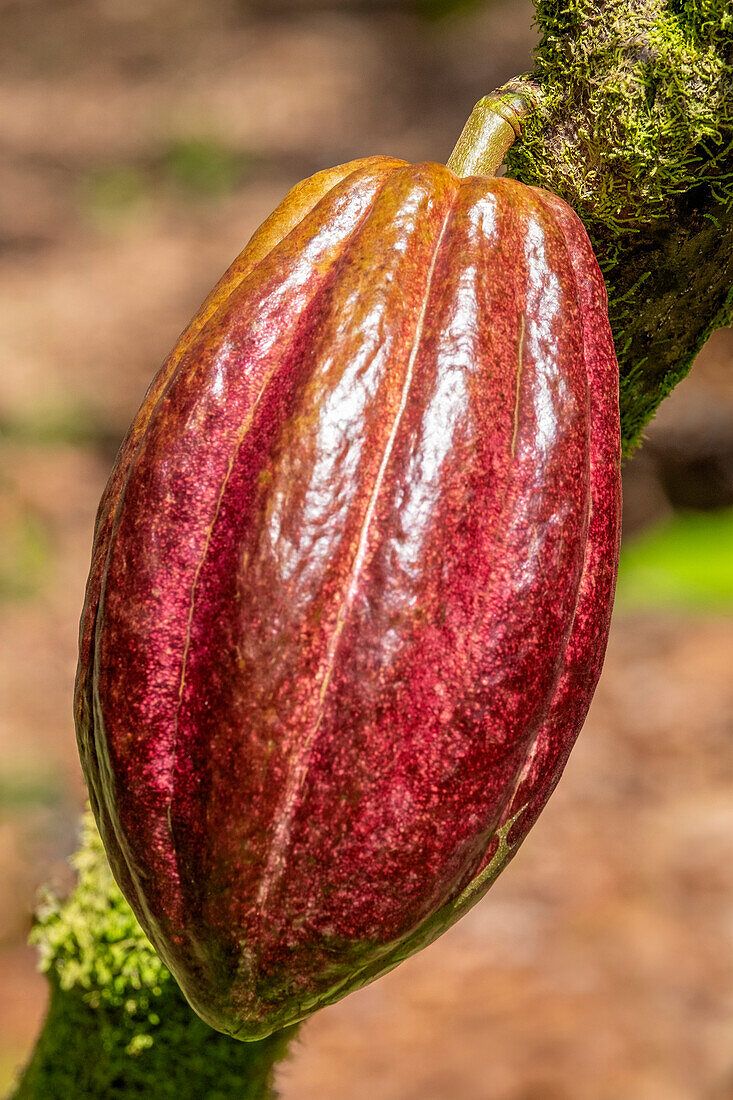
<point>141,142</point>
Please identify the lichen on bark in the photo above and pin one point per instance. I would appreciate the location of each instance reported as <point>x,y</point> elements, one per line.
<point>633,126</point>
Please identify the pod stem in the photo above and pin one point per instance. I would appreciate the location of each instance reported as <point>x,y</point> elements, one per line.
<point>493,126</point>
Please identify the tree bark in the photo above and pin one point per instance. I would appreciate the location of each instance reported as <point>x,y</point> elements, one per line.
<point>633,126</point>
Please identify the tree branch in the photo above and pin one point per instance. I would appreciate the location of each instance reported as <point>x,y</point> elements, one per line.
<point>118,1025</point>
<point>634,128</point>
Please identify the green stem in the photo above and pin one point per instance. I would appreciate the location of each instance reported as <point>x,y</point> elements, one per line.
<point>492,128</point>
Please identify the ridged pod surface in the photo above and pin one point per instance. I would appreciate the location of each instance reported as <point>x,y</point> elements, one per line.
<point>351,583</point>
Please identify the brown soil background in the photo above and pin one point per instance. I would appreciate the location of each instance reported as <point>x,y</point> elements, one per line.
<point>140,144</point>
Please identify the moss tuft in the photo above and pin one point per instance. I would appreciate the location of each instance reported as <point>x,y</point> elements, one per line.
<point>93,942</point>
<point>634,129</point>
<point>117,1022</point>
<point>635,107</point>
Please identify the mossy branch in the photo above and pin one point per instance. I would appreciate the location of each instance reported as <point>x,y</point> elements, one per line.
<point>118,1025</point>
<point>634,128</point>
<point>633,125</point>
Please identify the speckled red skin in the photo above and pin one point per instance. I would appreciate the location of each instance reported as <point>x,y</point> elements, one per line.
<point>351,583</point>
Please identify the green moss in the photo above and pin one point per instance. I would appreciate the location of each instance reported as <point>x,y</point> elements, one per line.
<point>117,1022</point>
<point>634,129</point>
<point>651,86</point>
<point>93,942</point>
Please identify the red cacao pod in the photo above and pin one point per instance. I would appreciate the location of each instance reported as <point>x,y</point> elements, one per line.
<point>351,583</point>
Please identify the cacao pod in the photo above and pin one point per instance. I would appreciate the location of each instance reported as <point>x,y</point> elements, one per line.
<point>351,583</point>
